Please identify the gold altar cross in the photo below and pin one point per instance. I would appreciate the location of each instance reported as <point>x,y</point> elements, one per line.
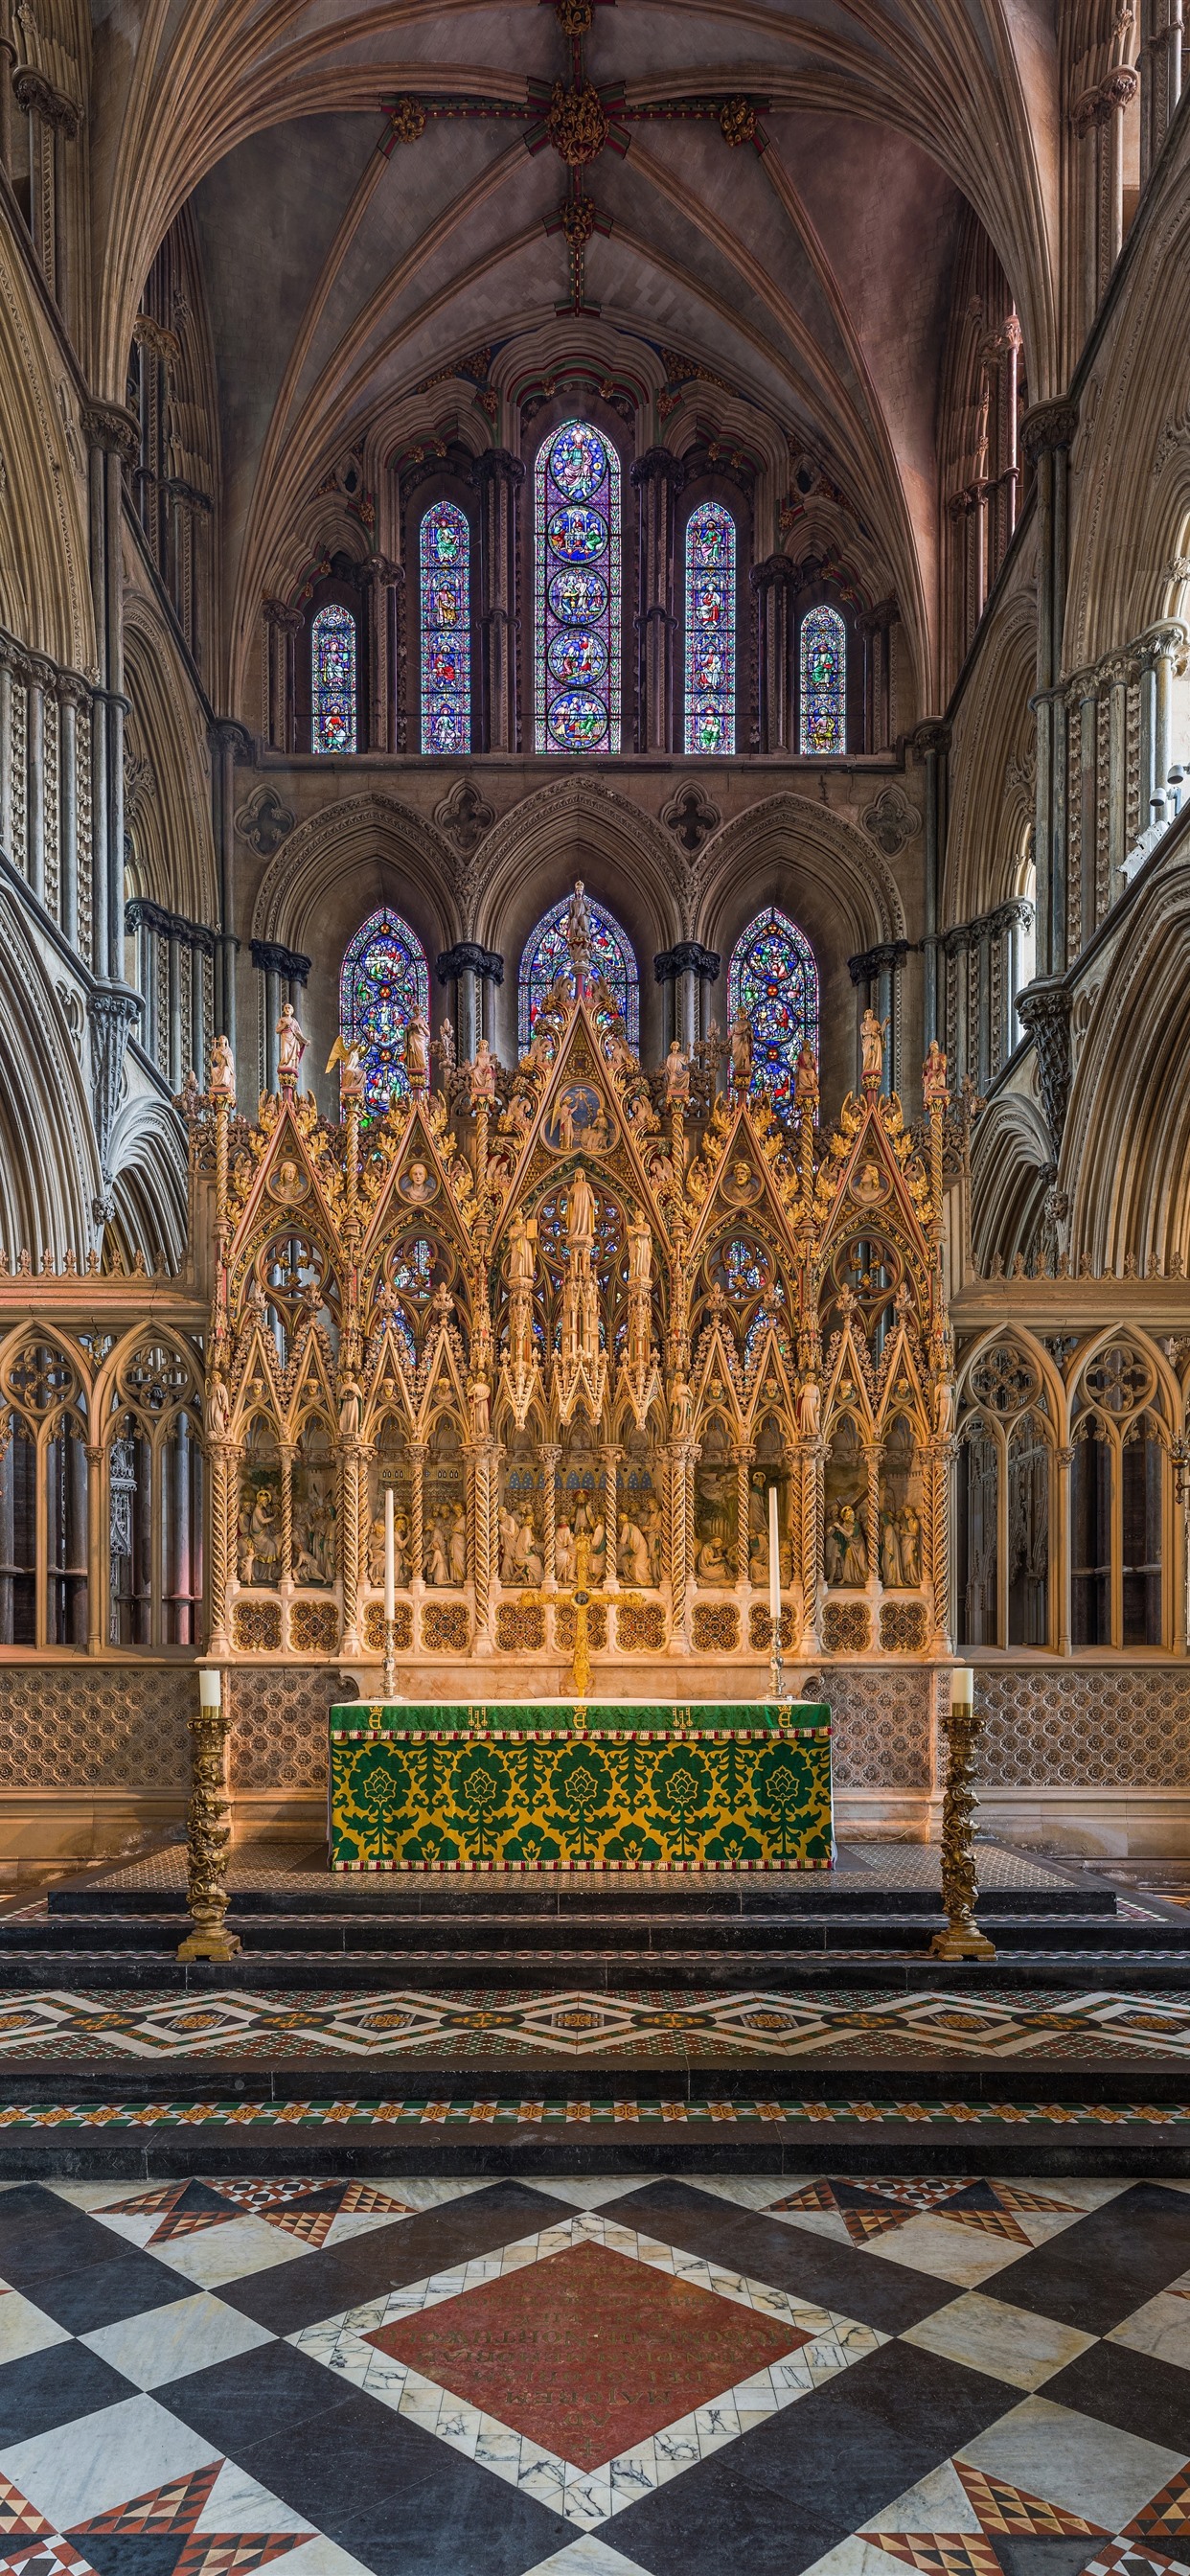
<point>579,1597</point>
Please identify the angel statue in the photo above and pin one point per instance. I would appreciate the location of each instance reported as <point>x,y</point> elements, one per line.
<point>348,1054</point>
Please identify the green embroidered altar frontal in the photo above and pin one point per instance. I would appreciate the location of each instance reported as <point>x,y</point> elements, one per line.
<point>552,1785</point>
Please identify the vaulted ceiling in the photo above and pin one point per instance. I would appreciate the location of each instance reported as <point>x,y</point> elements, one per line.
<point>810,281</point>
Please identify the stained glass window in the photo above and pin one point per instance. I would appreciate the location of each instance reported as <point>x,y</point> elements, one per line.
<point>445,629</point>
<point>576,642</point>
<point>774,977</point>
<point>823,681</point>
<point>710,629</point>
<point>384,976</point>
<point>332,679</point>
<point>547,956</point>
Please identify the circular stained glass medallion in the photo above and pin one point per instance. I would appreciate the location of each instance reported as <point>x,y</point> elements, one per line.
<point>578,655</point>
<point>577,534</point>
<point>578,460</point>
<point>577,721</point>
<point>576,597</point>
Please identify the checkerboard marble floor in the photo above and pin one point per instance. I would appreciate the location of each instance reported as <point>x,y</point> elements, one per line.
<point>596,2377</point>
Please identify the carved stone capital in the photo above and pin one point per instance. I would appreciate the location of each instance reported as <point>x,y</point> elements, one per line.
<point>657,465</point>
<point>888,956</point>
<point>38,97</point>
<point>497,465</point>
<point>272,959</point>
<point>468,958</point>
<point>688,958</point>
<point>777,572</point>
<point>288,621</point>
<point>1047,427</point>
<point>930,738</point>
<point>116,431</point>
<point>112,1013</point>
<point>1044,1007</point>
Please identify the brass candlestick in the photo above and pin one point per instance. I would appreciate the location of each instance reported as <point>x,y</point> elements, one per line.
<point>208,1831</point>
<point>962,1938</point>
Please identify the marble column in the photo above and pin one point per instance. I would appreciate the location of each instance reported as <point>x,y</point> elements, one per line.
<point>657,478</point>
<point>229,743</point>
<point>468,967</point>
<point>1161,29</point>
<point>498,479</point>
<point>381,583</point>
<point>931,742</point>
<point>689,968</point>
<point>282,626</point>
<point>773,585</point>
<point>73,700</point>
<point>1048,433</point>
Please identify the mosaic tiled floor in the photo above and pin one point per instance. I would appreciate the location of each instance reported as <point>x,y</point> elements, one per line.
<point>278,1871</point>
<point>969,2377</point>
<point>584,2111</point>
<point>508,2024</point>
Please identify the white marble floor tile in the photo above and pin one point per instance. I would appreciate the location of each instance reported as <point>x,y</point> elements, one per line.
<point>1074,2461</point>
<point>948,2251</point>
<point>583,2194</point>
<point>1006,2342</point>
<point>587,2557</point>
<point>318,2557</point>
<point>939,2502</point>
<point>854,2557</point>
<point>171,2342</point>
<point>1161,2328</point>
<point>103,2460</point>
<point>226,2253</point>
<point>24,2328</point>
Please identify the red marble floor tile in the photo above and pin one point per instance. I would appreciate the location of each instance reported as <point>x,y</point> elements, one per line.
<point>588,2351</point>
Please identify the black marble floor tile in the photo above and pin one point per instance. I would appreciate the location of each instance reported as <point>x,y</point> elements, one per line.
<point>399,2500</point>
<point>237,2403</point>
<point>1096,2272</point>
<point>323,2285</point>
<point>878,2292</point>
<point>55,2387</point>
<point>99,2294</point>
<point>792,2488</point>
<point>1130,2390</point>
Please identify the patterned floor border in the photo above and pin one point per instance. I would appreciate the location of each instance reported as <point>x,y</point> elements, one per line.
<point>564,2114</point>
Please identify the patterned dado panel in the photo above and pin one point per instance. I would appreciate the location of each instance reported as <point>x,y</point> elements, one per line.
<point>880,1722</point>
<point>64,1727</point>
<point>1082,1729</point>
<point>279,1728</point>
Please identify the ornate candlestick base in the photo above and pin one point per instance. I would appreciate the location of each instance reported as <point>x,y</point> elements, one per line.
<point>208,1830</point>
<point>777,1667</point>
<point>390,1662</point>
<point>962,1938</point>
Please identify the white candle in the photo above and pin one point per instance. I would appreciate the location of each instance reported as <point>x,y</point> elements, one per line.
<point>774,1566</point>
<point>962,1687</point>
<point>390,1558</point>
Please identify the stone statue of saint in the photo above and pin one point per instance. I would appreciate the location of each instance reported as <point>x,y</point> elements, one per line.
<point>291,1046</point>
<point>222,1084</point>
<point>578,934</point>
<point>933,1077</point>
<point>417,1049</point>
<point>871,1038</point>
<point>522,1245</point>
<point>741,1049</point>
<point>677,1076</point>
<point>580,1214</point>
<point>640,1253</point>
<point>482,1073</point>
<point>805,1078</point>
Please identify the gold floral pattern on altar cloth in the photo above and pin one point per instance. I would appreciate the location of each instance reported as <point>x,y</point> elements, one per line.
<point>904,1627</point>
<point>313,1627</point>
<point>846,1628</point>
<point>520,1630</point>
<point>716,1628</point>
<point>641,1630</point>
<point>746,1798</point>
<point>402,1627</point>
<point>256,1627</point>
<point>445,1628</point>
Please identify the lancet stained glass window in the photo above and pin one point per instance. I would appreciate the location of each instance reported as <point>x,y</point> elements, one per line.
<point>332,679</point>
<point>445,629</point>
<point>384,976</point>
<point>576,635</point>
<point>710,629</point>
<point>774,977</point>
<point>546,956</point>
<point>823,681</point>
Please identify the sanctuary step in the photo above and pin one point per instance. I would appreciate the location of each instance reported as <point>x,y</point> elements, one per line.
<point>870,1920</point>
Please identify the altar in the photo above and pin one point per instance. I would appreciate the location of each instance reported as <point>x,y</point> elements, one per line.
<point>566,1784</point>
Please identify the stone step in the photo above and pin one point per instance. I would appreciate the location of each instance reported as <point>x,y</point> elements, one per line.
<point>114,1969</point>
<point>662,1931</point>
